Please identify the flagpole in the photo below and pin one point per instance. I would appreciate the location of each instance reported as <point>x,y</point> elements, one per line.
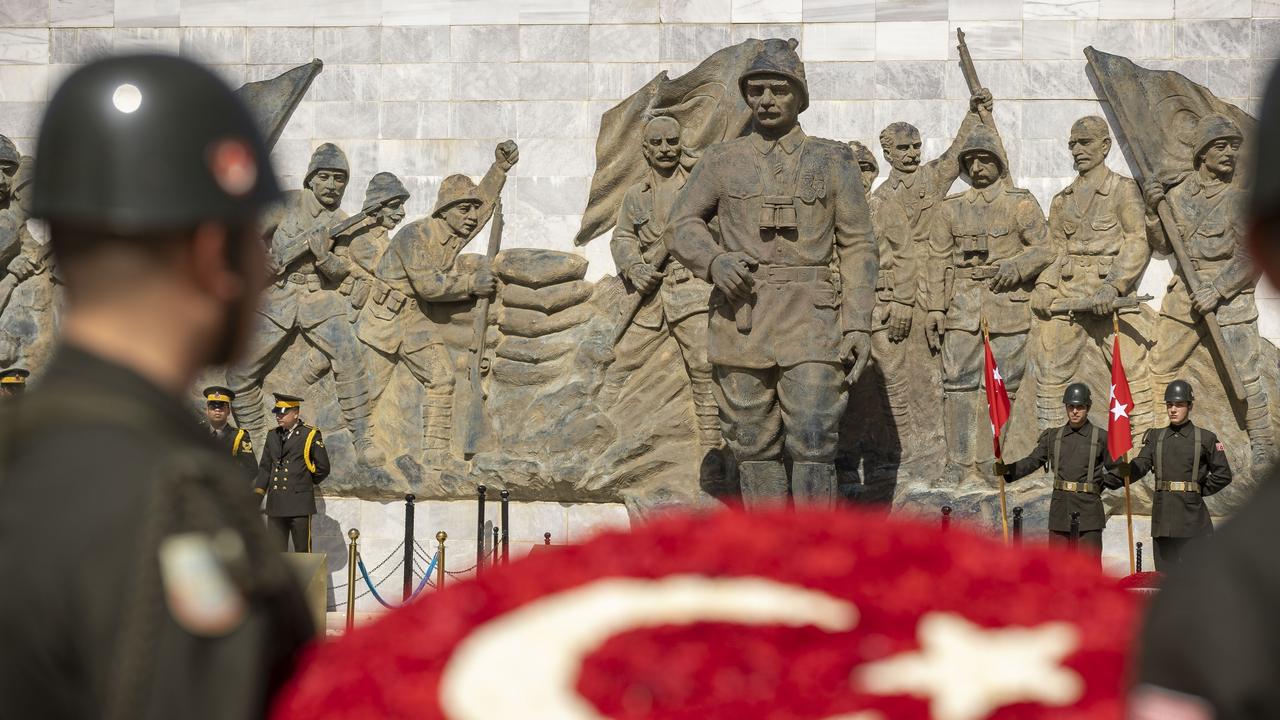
<point>1128,498</point>
<point>1004,517</point>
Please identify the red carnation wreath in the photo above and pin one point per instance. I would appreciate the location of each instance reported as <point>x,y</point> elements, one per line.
<point>808,615</point>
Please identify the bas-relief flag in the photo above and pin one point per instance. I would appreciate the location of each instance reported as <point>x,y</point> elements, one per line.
<point>706,102</point>
<point>1120,404</point>
<point>273,101</point>
<point>998,405</point>
<point>1158,111</point>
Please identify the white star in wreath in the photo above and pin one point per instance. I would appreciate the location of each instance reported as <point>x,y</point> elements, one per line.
<point>968,672</point>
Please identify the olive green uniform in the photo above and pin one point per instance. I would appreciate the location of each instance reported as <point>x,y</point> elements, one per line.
<point>88,630</point>
<point>1081,468</point>
<point>1189,464</point>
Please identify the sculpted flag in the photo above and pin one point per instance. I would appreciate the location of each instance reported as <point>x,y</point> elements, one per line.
<point>998,405</point>
<point>273,101</point>
<point>1158,110</point>
<point>1119,432</point>
<point>811,615</point>
<point>706,102</point>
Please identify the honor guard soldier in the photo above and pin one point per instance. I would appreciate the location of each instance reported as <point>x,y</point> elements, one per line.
<point>294,461</point>
<point>1190,465</point>
<point>1076,454</point>
<point>13,381</point>
<point>148,588</point>
<point>236,441</point>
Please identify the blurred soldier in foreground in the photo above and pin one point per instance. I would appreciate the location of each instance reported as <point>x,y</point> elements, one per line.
<point>237,441</point>
<point>1211,644</point>
<point>793,267</point>
<point>13,381</point>
<point>151,593</point>
<point>1076,454</point>
<point>1190,464</point>
<point>294,461</point>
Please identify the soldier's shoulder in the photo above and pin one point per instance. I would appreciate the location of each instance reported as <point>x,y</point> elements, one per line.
<point>727,147</point>
<point>411,231</point>
<point>1017,191</point>
<point>827,145</point>
<point>954,197</point>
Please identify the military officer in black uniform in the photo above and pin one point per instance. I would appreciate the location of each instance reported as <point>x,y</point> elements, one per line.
<point>13,381</point>
<point>294,461</point>
<point>1190,465</point>
<point>1076,454</point>
<point>138,581</point>
<point>236,441</point>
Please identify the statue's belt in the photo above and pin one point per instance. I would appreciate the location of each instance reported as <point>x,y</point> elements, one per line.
<point>981,272</point>
<point>791,273</point>
<point>1078,487</point>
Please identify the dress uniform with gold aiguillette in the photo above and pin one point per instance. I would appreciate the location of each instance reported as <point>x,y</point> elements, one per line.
<point>236,441</point>
<point>293,463</point>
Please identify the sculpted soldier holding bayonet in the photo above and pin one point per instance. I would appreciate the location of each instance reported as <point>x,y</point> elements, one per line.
<point>304,301</point>
<point>793,270</point>
<point>1209,208</point>
<point>988,244</point>
<point>418,266</point>
<point>674,301</point>
<point>1097,229</point>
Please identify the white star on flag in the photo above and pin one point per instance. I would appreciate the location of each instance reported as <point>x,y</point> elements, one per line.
<point>968,672</point>
<point>998,378</point>
<point>1118,410</point>
<point>1113,391</point>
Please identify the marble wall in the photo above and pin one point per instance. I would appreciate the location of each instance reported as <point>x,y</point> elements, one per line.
<point>424,88</point>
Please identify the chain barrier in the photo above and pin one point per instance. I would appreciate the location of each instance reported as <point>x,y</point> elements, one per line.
<point>373,588</point>
<point>386,577</point>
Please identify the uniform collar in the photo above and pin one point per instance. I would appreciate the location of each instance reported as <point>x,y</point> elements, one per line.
<point>1182,429</point>
<point>1196,186</point>
<point>1102,183</point>
<point>788,142</point>
<point>1078,431</point>
<point>988,193</point>
<point>897,177</point>
<point>650,180</point>
<point>442,232</point>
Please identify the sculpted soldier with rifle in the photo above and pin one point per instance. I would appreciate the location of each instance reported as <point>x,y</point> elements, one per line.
<point>666,298</point>
<point>419,266</point>
<point>1208,207</point>
<point>793,267</point>
<point>304,300</point>
<point>1097,231</point>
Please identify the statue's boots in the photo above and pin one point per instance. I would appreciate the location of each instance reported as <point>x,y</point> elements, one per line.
<point>960,419</point>
<point>353,400</point>
<point>1257,423</point>
<point>249,415</point>
<point>315,366</point>
<point>437,429</point>
<point>707,413</point>
<point>764,484</point>
<point>813,484</point>
<point>1050,412</point>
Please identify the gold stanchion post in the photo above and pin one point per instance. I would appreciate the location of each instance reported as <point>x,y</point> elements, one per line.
<point>440,538</point>
<point>353,558</point>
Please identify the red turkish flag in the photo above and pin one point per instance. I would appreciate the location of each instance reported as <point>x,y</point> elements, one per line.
<point>1119,405</point>
<point>997,396</point>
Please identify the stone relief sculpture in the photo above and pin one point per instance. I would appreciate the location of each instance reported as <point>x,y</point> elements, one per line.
<point>764,272</point>
<point>669,299</point>
<point>987,246</point>
<point>1098,233</point>
<point>794,271</point>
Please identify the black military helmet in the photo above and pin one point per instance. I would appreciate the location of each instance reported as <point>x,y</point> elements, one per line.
<point>149,142</point>
<point>1077,394</point>
<point>778,57</point>
<point>1179,391</point>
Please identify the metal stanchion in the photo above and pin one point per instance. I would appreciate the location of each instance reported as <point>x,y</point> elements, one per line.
<point>440,538</point>
<point>546,538</point>
<point>353,557</point>
<point>1138,559</point>
<point>506,526</point>
<point>1074,541</point>
<point>494,561</point>
<point>1017,524</point>
<point>946,517</point>
<point>408,547</point>
<point>480,491</point>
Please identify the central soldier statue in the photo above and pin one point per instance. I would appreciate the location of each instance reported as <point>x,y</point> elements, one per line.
<point>793,270</point>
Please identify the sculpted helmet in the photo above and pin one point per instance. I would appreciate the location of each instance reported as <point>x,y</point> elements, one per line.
<point>983,138</point>
<point>862,155</point>
<point>778,58</point>
<point>1179,391</point>
<point>384,187</point>
<point>455,189</point>
<point>149,142</point>
<point>8,151</point>
<point>1077,394</point>
<point>326,157</point>
<point>1210,128</point>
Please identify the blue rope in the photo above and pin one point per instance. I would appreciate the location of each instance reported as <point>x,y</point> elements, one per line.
<point>373,589</point>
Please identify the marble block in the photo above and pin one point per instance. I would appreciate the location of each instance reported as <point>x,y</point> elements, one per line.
<point>910,10</point>
<point>213,45</point>
<point>1136,38</point>
<point>623,43</point>
<point>691,43</point>
<point>988,39</point>
<point>1212,38</point>
<point>695,11</point>
<point>1135,9</point>
<point>614,81</point>
<point>1058,9</point>
<point>81,13</point>
<point>624,11</point>
<point>484,43</point>
<point>415,44</point>
<point>554,12</point>
<point>24,46</point>
<point>767,11</point>
<point>824,11</point>
<point>349,45</point>
<point>910,79</point>
<point>842,80</point>
<point>554,43</point>
<point>913,40</point>
<point>1048,40</point>
<point>23,13</point>
<point>280,45</point>
<point>838,41</point>
<point>485,81</point>
<point>146,13</point>
<point>554,81</point>
<point>1213,9</point>
<point>984,10</point>
<point>140,40</point>
<point>483,120</point>
<point>420,81</point>
<point>212,13</point>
